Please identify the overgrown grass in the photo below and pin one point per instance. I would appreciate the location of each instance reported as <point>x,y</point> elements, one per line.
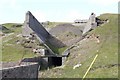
<point>84,54</point>
<point>53,24</point>
<point>56,50</point>
<point>12,27</point>
<point>11,50</point>
<point>15,52</point>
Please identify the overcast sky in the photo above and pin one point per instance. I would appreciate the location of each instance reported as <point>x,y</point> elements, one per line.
<point>54,10</point>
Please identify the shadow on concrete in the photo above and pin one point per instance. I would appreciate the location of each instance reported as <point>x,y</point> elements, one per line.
<point>45,62</point>
<point>55,42</point>
<point>42,62</point>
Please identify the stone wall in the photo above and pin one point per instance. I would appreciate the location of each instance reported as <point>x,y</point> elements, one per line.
<point>26,70</point>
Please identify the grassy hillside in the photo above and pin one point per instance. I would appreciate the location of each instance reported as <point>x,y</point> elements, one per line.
<point>53,24</point>
<point>13,27</point>
<point>12,50</point>
<point>106,64</point>
<point>3,29</point>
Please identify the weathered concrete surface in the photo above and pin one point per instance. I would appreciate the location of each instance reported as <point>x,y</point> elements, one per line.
<point>42,61</point>
<point>87,28</point>
<point>91,24</point>
<point>32,24</point>
<point>25,70</point>
<point>47,61</point>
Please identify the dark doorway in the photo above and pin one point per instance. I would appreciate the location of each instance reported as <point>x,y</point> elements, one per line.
<point>55,61</point>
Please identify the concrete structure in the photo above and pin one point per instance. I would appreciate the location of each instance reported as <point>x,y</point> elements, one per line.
<point>41,52</point>
<point>32,25</point>
<point>42,61</point>
<point>91,24</point>
<point>87,25</point>
<point>47,61</point>
<point>80,21</point>
<point>24,70</point>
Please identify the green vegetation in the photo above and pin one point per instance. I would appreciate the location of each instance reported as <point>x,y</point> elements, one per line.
<point>107,51</point>
<point>105,66</point>
<point>56,50</point>
<point>15,53</point>
<point>12,50</point>
<point>10,25</point>
<point>13,27</point>
<point>5,30</point>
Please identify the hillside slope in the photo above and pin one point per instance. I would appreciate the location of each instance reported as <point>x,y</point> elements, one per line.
<point>12,50</point>
<point>106,64</point>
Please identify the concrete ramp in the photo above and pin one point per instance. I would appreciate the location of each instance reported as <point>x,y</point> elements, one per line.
<point>87,28</point>
<point>32,25</point>
<point>91,24</point>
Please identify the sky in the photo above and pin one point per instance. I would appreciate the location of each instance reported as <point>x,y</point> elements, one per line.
<point>13,11</point>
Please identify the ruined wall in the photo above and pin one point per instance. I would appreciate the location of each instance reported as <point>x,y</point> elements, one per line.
<point>42,62</point>
<point>48,61</point>
<point>91,24</point>
<point>23,71</point>
<point>31,23</point>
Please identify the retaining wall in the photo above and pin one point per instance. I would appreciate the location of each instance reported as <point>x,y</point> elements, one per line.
<point>26,70</point>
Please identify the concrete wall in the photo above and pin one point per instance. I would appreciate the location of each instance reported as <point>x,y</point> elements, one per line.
<point>33,23</point>
<point>42,62</point>
<point>91,24</point>
<point>28,70</point>
<point>46,61</point>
